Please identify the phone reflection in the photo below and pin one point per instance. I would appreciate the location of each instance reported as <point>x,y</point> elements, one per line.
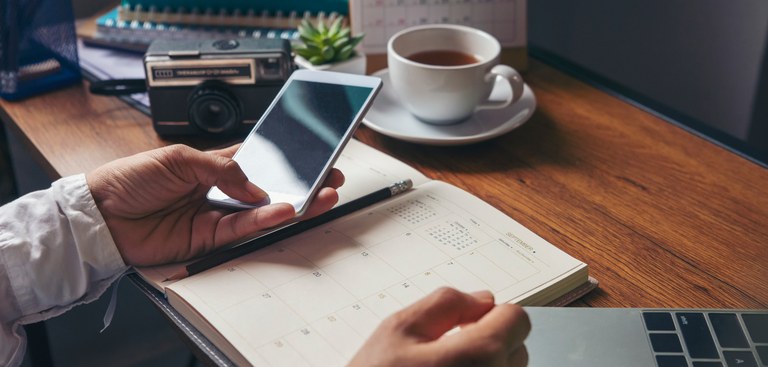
<point>290,148</point>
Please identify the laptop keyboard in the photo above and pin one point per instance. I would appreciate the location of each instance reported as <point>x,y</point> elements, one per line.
<point>708,338</point>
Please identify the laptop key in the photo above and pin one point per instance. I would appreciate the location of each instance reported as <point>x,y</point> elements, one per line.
<point>671,361</point>
<point>757,325</point>
<point>665,343</point>
<point>658,321</point>
<point>739,358</point>
<point>707,364</point>
<point>728,330</point>
<point>696,335</point>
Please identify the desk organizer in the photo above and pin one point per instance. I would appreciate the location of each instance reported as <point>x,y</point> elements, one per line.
<point>38,47</point>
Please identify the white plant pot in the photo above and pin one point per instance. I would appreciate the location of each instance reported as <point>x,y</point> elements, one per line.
<point>355,65</point>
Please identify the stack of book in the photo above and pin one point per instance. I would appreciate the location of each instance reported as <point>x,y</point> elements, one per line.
<point>134,24</point>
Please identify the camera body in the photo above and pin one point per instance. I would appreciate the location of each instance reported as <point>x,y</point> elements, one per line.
<point>214,87</point>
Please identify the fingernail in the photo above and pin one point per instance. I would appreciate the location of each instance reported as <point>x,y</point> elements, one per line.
<point>483,296</point>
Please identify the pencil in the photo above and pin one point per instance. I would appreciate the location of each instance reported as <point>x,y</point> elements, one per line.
<point>249,246</point>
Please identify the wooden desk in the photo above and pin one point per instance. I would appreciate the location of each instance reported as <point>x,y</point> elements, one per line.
<point>663,217</point>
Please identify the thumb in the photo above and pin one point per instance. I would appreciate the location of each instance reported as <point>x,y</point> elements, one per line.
<point>226,152</point>
<point>506,321</point>
<point>209,169</point>
<point>231,179</point>
<point>443,310</point>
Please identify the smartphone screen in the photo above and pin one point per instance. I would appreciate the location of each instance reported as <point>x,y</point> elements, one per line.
<point>294,145</point>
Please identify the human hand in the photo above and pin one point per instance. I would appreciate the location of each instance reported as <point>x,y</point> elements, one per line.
<point>155,207</point>
<point>490,335</point>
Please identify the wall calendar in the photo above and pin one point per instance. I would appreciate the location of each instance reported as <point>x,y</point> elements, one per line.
<point>380,19</point>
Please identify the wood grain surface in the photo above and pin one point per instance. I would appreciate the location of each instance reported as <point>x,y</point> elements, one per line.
<point>663,218</point>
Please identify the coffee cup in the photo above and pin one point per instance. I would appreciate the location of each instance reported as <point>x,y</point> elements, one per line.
<point>443,73</point>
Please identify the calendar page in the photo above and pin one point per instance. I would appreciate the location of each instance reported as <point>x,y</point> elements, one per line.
<point>365,169</point>
<point>313,299</point>
<point>380,19</point>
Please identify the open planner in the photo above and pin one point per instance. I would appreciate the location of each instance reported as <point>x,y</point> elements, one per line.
<point>313,299</point>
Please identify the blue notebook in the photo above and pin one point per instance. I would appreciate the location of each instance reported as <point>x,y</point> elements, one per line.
<point>113,30</point>
<point>242,6</point>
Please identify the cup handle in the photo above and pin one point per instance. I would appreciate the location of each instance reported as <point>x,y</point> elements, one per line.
<point>515,82</point>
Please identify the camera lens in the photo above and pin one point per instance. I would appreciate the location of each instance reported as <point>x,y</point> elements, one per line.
<point>214,109</point>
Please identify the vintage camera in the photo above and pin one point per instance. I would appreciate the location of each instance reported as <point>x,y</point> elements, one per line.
<point>214,87</point>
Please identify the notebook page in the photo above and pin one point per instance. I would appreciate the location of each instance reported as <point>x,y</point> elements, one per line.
<point>365,169</point>
<point>313,299</point>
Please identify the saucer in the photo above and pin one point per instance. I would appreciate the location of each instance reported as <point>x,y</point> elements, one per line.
<point>387,116</point>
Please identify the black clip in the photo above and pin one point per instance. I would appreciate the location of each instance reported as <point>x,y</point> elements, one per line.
<point>118,87</point>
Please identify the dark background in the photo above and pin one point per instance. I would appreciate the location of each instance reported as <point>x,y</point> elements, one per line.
<point>703,64</point>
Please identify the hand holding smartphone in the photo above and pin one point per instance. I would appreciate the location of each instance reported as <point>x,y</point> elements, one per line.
<point>294,145</point>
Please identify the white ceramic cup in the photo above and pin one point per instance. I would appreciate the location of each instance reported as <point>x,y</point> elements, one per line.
<point>448,94</point>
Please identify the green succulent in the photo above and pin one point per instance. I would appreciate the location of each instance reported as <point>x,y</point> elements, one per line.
<point>324,44</point>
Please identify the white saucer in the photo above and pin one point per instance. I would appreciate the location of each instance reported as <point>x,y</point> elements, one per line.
<point>389,117</point>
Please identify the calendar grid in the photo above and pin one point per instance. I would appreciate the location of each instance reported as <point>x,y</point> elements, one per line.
<point>380,19</point>
<point>361,248</point>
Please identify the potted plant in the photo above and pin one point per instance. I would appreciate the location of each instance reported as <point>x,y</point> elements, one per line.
<point>329,47</point>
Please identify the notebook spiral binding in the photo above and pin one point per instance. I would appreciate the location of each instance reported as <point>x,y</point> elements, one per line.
<point>135,27</point>
<point>211,17</point>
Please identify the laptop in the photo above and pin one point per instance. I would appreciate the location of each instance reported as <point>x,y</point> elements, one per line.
<point>647,337</point>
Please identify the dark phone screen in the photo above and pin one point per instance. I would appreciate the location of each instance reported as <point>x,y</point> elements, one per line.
<point>294,142</point>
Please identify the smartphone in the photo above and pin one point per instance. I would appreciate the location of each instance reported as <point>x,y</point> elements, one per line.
<point>295,143</point>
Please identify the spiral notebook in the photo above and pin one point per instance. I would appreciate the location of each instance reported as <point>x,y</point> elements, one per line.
<point>234,6</point>
<point>133,25</point>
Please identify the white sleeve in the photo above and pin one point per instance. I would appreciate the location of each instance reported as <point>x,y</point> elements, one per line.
<point>55,252</point>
